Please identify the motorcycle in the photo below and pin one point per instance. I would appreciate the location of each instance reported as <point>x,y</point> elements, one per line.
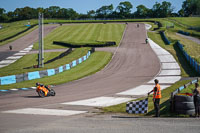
<point>44,91</point>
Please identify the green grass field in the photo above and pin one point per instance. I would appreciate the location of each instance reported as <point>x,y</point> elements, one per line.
<point>190,21</point>
<point>22,65</point>
<point>189,88</point>
<point>94,63</point>
<point>83,33</point>
<point>75,33</point>
<point>186,69</point>
<point>10,29</point>
<point>164,103</point>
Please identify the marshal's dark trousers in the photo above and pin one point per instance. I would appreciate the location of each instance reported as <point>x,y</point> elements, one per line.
<point>157,107</point>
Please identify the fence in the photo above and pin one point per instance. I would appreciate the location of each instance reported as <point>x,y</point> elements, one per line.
<point>164,37</point>
<point>192,62</point>
<point>39,74</point>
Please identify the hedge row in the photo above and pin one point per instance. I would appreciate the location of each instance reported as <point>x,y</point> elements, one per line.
<point>95,44</point>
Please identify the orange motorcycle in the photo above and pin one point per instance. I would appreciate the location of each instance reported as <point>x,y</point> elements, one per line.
<point>44,91</point>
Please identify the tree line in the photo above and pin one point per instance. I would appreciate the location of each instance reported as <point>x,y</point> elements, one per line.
<point>122,11</point>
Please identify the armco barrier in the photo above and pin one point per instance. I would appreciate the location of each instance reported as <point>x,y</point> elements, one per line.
<point>184,33</point>
<point>164,37</point>
<point>39,74</point>
<point>192,62</point>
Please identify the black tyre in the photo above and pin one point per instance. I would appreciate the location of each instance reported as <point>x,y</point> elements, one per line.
<point>187,112</point>
<point>52,92</point>
<point>41,93</point>
<point>183,98</point>
<point>184,105</point>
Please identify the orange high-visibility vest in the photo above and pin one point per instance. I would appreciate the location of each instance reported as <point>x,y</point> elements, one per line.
<point>157,94</point>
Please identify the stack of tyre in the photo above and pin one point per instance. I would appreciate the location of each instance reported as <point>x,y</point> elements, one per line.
<point>183,104</point>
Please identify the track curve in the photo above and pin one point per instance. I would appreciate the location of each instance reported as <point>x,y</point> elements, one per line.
<point>23,42</point>
<point>133,64</point>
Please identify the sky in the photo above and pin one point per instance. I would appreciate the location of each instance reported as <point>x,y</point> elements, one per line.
<point>82,6</point>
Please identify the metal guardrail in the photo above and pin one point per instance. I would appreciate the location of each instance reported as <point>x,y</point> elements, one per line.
<point>192,62</point>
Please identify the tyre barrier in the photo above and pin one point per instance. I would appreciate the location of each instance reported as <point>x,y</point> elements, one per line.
<point>184,33</point>
<point>184,104</point>
<point>162,33</point>
<point>39,74</point>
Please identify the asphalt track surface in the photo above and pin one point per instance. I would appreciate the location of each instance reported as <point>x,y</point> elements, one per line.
<point>133,64</point>
<point>23,42</point>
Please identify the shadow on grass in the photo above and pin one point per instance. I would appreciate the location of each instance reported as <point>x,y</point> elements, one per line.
<point>185,65</point>
<point>165,111</point>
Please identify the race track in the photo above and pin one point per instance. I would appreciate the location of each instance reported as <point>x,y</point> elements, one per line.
<point>133,64</point>
<point>23,42</point>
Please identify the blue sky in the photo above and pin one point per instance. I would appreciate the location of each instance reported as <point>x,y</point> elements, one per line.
<point>81,6</point>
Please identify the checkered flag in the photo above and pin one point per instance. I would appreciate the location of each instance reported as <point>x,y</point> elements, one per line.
<point>137,107</point>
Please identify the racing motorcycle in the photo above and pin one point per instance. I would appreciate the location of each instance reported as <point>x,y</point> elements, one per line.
<point>44,91</point>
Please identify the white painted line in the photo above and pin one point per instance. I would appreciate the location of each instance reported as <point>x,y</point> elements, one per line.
<point>170,72</point>
<point>27,49</point>
<point>40,111</point>
<point>153,44</point>
<point>14,57</point>
<point>100,101</point>
<point>20,54</point>
<point>33,87</point>
<point>166,79</point>
<point>166,58</point>
<point>7,61</point>
<point>31,46</point>
<point>160,51</point>
<point>14,89</point>
<point>23,51</point>
<point>148,26</point>
<point>173,65</point>
<point>141,90</point>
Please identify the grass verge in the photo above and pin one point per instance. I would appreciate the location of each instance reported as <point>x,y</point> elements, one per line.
<point>186,69</point>
<point>83,33</point>
<point>24,64</point>
<point>94,63</point>
<point>164,103</point>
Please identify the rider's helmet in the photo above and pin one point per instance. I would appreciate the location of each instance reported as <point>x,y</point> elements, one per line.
<point>37,84</point>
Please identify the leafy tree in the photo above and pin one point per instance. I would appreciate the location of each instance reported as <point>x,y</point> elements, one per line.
<point>3,15</point>
<point>162,10</point>
<point>104,11</point>
<point>52,11</point>
<point>91,14</point>
<point>124,9</point>
<point>142,12</point>
<point>191,7</point>
<point>181,13</point>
